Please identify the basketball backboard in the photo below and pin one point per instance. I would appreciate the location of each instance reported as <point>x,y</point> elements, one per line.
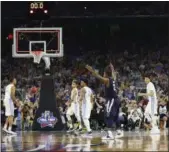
<point>27,40</point>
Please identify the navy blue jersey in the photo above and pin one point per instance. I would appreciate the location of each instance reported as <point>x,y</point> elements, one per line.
<point>110,91</point>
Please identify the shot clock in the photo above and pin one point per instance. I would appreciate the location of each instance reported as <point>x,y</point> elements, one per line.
<point>38,6</point>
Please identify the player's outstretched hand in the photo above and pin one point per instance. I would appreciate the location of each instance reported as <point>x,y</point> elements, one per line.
<point>89,68</point>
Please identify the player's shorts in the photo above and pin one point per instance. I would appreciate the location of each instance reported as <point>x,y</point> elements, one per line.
<point>113,108</point>
<point>86,110</point>
<point>9,108</point>
<point>162,115</point>
<point>74,109</point>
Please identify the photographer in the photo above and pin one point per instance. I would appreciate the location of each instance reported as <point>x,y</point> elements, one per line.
<point>98,112</point>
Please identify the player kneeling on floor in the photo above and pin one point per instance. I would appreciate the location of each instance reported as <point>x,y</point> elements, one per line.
<point>163,115</point>
<point>135,116</point>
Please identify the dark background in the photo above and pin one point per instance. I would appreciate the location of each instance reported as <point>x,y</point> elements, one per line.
<point>87,26</point>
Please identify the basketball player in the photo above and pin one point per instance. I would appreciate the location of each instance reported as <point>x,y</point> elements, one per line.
<point>112,102</point>
<point>74,107</point>
<point>86,104</point>
<point>151,108</point>
<point>9,102</point>
<point>163,115</point>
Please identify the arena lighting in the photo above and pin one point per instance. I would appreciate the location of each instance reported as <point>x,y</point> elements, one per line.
<point>45,11</point>
<point>31,11</point>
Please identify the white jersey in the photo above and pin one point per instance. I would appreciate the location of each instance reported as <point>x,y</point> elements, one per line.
<point>87,97</point>
<point>86,103</point>
<point>9,105</point>
<point>162,110</point>
<point>152,104</point>
<point>8,92</point>
<point>75,99</point>
<point>78,94</point>
<point>74,107</point>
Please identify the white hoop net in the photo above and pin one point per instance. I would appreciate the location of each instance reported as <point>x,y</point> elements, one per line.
<point>37,55</point>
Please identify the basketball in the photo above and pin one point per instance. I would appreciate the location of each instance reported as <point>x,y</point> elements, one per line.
<point>34,90</point>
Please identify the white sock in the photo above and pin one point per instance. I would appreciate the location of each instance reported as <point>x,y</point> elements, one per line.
<point>69,121</point>
<point>79,121</point>
<point>5,126</point>
<point>9,128</point>
<point>80,126</point>
<point>164,124</point>
<point>87,124</point>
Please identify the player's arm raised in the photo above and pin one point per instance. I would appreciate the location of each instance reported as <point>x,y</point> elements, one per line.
<point>95,74</point>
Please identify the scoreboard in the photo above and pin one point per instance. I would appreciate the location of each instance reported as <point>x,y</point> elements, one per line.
<point>38,10</point>
<point>36,5</point>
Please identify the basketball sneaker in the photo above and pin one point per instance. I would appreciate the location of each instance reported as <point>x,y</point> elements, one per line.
<point>79,129</point>
<point>12,133</point>
<point>70,130</point>
<point>109,136</point>
<point>5,130</point>
<point>88,135</point>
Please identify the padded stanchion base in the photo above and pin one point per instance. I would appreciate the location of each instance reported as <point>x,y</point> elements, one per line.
<point>47,117</point>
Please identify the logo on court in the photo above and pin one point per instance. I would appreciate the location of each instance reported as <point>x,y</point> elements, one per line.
<point>47,119</point>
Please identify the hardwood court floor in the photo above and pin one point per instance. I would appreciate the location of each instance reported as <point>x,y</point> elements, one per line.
<point>59,141</point>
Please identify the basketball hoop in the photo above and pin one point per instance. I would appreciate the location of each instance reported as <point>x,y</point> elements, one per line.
<point>37,55</point>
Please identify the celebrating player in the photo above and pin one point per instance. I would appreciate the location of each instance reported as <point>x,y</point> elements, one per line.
<point>112,101</point>
<point>151,108</point>
<point>86,104</point>
<point>74,107</point>
<point>9,102</point>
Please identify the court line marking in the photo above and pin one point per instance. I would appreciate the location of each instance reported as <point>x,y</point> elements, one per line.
<point>38,148</point>
<point>82,145</point>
